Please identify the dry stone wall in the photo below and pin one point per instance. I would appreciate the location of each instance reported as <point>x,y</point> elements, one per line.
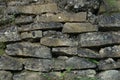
<point>58,40</point>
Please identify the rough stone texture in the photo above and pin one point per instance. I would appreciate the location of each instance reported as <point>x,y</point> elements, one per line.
<point>41,26</point>
<point>27,49</point>
<point>8,63</point>
<point>34,9</point>
<point>43,65</point>
<point>74,75</point>
<point>109,75</point>
<point>37,76</point>
<point>56,42</point>
<point>79,63</point>
<point>23,19</point>
<point>78,5</point>
<point>9,34</point>
<point>31,34</point>
<point>113,51</point>
<point>109,21</point>
<point>4,75</point>
<point>108,64</point>
<point>59,64</point>
<point>65,51</point>
<point>87,53</point>
<point>99,38</point>
<point>78,27</point>
<point>62,17</point>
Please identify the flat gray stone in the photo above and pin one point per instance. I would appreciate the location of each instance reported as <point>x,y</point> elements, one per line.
<point>99,39</point>
<point>79,28</point>
<point>109,75</point>
<point>41,26</point>
<point>79,63</point>
<point>42,65</point>
<point>27,49</point>
<point>9,63</point>
<point>5,75</point>
<point>31,34</point>
<point>57,42</point>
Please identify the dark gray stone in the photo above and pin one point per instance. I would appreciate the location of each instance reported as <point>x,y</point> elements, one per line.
<point>79,63</point>
<point>109,75</point>
<point>43,65</point>
<point>9,34</point>
<point>9,63</point>
<point>99,39</point>
<point>109,21</point>
<point>5,75</point>
<point>27,49</point>
<point>41,26</point>
<point>108,64</point>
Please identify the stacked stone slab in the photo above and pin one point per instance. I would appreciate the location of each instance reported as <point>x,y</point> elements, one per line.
<point>58,40</point>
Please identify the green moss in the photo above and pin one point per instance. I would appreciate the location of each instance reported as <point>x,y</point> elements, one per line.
<point>2,48</point>
<point>2,51</point>
<point>86,78</point>
<point>93,61</point>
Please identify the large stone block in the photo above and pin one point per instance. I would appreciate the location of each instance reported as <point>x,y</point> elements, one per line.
<point>27,49</point>
<point>79,63</point>
<point>109,21</point>
<point>9,63</point>
<point>33,9</point>
<point>62,17</point>
<point>43,65</point>
<point>5,75</point>
<point>78,27</point>
<point>110,52</point>
<point>108,64</point>
<point>53,42</point>
<point>109,75</point>
<point>99,39</point>
<point>41,26</point>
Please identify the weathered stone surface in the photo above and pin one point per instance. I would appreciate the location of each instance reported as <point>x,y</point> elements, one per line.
<point>41,26</point>
<point>65,51</point>
<point>99,38</point>
<point>79,63</point>
<point>81,52</point>
<point>2,9</point>
<point>87,53</point>
<point>23,19</point>
<point>43,65</point>
<point>9,34</point>
<point>62,17</point>
<point>8,63</point>
<point>74,75</point>
<point>4,75</point>
<point>78,27</point>
<point>110,51</point>
<point>28,49</point>
<point>108,64</point>
<point>109,75</point>
<point>34,9</point>
<point>53,42</point>
<point>37,76</point>
<point>109,21</point>
<point>59,64</point>
<point>78,5</point>
<point>31,34</point>
<point>5,19</point>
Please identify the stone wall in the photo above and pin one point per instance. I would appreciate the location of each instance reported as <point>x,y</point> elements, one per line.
<point>58,40</point>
